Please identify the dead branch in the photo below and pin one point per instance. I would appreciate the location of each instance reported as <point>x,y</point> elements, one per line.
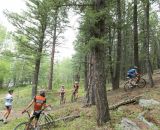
<point>128,101</point>
<point>67,118</point>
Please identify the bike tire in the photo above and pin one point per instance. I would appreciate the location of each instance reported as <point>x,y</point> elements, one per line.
<point>50,120</point>
<point>127,86</point>
<point>23,125</point>
<point>141,83</point>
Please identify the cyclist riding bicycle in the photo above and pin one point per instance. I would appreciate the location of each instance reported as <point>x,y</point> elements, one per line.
<point>133,75</point>
<point>62,95</point>
<point>39,102</point>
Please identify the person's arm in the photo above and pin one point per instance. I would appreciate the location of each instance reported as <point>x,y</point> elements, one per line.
<point>60,92</point>
<point>29,105</point>
<point>45,105</point>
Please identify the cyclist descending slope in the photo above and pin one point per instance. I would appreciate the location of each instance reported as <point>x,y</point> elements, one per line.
<point>133,75</point>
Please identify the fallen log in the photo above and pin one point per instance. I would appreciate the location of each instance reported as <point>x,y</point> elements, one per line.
<point>66,118</point>
<point>125,102</point>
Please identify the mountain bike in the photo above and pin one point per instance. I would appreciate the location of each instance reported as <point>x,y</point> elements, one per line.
<point>130,83</point>
<point>74,96</point>
<point>45,122</point>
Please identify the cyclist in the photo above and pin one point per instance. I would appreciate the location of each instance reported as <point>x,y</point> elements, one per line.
<point>39,102</point>
<point>75,91</point>
<point>133,75</point>
<point>8,105</point>
<point>62,95</point>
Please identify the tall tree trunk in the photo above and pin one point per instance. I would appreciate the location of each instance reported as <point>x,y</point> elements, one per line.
<point>115,84</point>
<point>77,75</point>
<point>50,81</point>
<point>110,54</point>
<point>90,88</point>
<point>147,35</point>
<point>135,40</point>
<point>100,86</point>
<point>86,73</point>
<point>36,71</point>
<point>99,67</point>
<point>1,83</point>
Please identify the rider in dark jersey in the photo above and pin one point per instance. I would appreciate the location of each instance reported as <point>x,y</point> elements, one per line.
<point>132,74</point>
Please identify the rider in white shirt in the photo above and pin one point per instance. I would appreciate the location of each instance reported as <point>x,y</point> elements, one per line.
<point>8,104</point>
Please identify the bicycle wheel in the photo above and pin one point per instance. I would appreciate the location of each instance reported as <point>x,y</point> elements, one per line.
<point>23,126</point>
<point>51,120</point>
<point>127,86</point>
<point>46,121</point>
<point>141,83</point>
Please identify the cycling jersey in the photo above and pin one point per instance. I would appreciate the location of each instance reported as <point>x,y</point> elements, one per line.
<point>76,88</point>
<point>132,73</point>
<point>62,92</point>
<point>39,101</point>
<point>8,100</point>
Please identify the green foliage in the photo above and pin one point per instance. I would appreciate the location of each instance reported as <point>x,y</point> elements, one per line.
<point>4,70</point>
<point>63,73</point>
<point>2,33</point>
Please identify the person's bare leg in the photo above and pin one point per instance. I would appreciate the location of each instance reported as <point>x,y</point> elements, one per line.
<point>9,111</point>
<point>36,122</point>
<point>6,114</point>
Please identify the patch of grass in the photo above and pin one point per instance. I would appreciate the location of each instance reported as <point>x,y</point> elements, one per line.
<point>11,124</point>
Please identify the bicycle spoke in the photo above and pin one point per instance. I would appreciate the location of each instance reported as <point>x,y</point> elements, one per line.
<point>141,83</point>
<point>128,86</point>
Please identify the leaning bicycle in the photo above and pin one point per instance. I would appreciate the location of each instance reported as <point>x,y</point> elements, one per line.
<point>129,84</point>
<point>45,122</point>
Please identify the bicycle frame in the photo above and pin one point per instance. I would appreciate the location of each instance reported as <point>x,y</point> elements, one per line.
<point>45,121</point>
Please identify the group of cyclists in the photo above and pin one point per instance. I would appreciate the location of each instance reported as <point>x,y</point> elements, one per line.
<point>39,101</point>
<point>74,93</point>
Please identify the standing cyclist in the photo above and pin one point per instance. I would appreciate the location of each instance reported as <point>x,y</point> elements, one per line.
<point>39,102</point>
<point>75,91</point>
<point>62,95</point>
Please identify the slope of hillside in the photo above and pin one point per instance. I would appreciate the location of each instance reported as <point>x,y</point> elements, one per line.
<point>87,119</point>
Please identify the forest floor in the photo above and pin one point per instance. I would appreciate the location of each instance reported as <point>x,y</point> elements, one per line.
<point>87,119</point>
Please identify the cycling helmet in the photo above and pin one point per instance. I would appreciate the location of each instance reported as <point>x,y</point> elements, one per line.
<point>135,67</point>
<point>42,93</point>
<point>76,82</point>
<point>10,90</point>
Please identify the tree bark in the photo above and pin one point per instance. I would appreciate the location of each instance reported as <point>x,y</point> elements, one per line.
<point>1,83</point>
<point>147,35</point>
<point>100,86</point>
<point>99,78</point>
<point>135,40</point>
<point>86,73</point>
<point>50,81</point>
<point>36,71</point>
<point>90,88</point>
<point>115,84</point>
